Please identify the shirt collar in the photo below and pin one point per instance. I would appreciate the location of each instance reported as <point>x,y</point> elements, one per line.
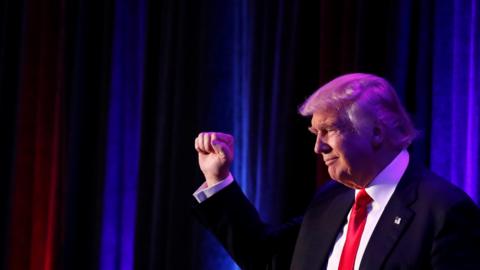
<point>383,185</point>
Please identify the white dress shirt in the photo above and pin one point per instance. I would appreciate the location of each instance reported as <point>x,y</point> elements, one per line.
<point>380,190</point>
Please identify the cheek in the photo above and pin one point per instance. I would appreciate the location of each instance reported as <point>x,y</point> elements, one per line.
<point>350,149</point>
<point>343,164</point>
<point>355,155</point>
<point>343,151</point>
<point>349,155</point>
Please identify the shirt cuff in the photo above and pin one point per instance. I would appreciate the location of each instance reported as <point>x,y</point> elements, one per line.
<point>204,192</point>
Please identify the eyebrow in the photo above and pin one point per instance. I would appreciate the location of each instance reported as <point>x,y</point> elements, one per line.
<point>314,130</point>
<point>326,125</point>
<point>320,127</point>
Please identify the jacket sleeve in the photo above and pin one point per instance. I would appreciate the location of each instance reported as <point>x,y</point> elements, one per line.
<point>236,224</point>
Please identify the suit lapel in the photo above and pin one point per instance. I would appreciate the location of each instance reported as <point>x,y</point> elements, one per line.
<point>394,220</point>
<point>319,231</point>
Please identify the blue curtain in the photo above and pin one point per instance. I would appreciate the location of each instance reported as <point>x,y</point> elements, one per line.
<point>123,137</point>
<point>456,94</point>
<point>140,79</point>
<point>252,99</point>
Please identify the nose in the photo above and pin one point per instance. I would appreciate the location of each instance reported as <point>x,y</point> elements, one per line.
<point>321,146</point>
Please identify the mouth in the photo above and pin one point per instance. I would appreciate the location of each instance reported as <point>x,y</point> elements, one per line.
<point>330,161</point>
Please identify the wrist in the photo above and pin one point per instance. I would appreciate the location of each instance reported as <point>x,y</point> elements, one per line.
<point>215,179</point>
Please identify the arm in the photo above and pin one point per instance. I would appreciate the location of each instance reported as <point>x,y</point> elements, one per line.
<point>235,222</point>
<point>233,219</point>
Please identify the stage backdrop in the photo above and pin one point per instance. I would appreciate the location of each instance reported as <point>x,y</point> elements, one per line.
<point>100,102</point>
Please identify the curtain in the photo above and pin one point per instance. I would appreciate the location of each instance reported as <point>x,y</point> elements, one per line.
<point>101,102</point>
<point>456,96</point>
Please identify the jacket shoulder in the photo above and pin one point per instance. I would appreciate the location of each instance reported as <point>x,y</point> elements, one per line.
<point>440,192</point>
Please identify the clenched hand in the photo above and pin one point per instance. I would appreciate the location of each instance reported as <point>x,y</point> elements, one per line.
<point>215,155</point>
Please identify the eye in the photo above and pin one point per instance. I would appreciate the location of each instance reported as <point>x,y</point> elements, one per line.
<point>323,131</point>
<point>333,129</point>
<point>327,130</point>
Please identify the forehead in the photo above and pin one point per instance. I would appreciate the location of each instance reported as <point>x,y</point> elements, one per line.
<point>325,118</point>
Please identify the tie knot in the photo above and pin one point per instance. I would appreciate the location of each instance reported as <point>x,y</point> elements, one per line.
<point>362,199</point>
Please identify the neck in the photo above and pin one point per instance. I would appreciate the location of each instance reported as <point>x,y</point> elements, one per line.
<point>382,159</point>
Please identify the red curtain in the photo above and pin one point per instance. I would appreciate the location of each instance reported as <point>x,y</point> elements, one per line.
<point>35,232</point>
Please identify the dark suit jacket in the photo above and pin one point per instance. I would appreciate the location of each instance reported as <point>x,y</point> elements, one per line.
<point>439,228</point>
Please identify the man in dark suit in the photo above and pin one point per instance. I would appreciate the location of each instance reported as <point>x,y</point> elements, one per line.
<point>382,211</point>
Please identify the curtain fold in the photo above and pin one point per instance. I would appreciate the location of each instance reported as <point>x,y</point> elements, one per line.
<point>123,137</point>
<point>101,102</point>
<point>456,97</point>
<point>36,209</point>
<point>88,43</point>
<point>10,56</point>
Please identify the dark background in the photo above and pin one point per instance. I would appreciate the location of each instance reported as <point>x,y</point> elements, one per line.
<point>101,101</point>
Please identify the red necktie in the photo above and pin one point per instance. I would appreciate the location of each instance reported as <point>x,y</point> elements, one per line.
<point>356,224</point>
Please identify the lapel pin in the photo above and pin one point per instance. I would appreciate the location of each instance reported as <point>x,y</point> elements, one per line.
<point>397,220</point>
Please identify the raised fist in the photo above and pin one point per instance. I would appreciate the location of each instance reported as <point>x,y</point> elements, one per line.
<point>215,155</point>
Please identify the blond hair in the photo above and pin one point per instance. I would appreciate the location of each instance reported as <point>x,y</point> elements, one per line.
<point>357,97</point>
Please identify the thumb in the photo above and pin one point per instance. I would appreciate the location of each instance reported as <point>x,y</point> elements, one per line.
<point>221,149</point>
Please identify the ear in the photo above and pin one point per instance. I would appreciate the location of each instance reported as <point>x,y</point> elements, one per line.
<point>378,135</point>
